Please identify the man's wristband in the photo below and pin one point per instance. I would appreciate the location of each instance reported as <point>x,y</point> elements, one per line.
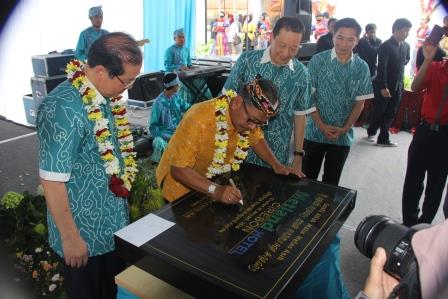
<point>300,153</point>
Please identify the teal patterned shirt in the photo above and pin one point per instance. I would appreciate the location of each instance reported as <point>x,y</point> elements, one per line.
<point>86,38</point>
<point>294,88</point>
<point>68,153</point>
<point>335,89</point>
<point>176,57</point>
<point>166,115</point>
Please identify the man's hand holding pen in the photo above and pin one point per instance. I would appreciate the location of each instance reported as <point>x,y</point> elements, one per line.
<point>228,194</point>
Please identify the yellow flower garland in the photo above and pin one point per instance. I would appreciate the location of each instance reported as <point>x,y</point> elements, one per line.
<point>92,100</point>
<point>217,165</point>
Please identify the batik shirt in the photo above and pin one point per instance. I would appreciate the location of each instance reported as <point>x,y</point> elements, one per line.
<point>166,115</point>
<point>68,153</point>
<point>176,57</point>
<point>336,87</point>
<point>86,38</point>
<point>293,86</point>
<point>193,145</point>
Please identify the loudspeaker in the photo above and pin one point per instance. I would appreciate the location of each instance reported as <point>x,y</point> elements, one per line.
<point>146,87</point>
<point>302,10</point>
<point>41,87</point>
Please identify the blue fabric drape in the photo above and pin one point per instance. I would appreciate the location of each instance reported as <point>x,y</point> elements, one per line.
<point>160,19</point>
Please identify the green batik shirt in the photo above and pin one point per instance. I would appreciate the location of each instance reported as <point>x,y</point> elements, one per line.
<point>68,153</point>
<point>293,84</point>
<point>335,89</point>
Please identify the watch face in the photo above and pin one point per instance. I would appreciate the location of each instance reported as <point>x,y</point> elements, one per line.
<point>211,188</point>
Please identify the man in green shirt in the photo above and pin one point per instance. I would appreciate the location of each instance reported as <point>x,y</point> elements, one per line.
<point>340,84</point>
<point>91,34</point>
<point>86,164</point>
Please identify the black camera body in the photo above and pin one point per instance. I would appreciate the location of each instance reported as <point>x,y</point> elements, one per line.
<point>381,231</point>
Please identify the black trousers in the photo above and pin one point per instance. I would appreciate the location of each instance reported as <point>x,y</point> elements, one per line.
<point>96,280</point>
<point>427,154</point>
<point>383,114</point>
<point>335,157</point>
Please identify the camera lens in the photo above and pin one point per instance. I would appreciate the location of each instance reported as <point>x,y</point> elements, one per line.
<point>378,230</point>
<point>381,231</point>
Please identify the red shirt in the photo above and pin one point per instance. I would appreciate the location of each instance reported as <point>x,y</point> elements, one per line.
<point>435,82</point>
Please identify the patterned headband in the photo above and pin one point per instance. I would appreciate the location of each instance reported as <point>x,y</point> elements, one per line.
<point>259,100</point>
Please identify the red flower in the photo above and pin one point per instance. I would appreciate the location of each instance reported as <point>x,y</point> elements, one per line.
<point>121,112</point>
<point>117,188</point>
<point>98,133</point>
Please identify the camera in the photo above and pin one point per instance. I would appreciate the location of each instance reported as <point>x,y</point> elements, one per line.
<point>436,35</point>
<point>381,231</point>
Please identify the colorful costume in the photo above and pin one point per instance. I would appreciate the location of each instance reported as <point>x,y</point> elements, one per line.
<point>166,115</point>
<point>219,27</point>
<point>193,145</point>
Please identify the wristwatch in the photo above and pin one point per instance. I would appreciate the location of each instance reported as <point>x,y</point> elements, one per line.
<point>211,188</point>
<point>300,153</point>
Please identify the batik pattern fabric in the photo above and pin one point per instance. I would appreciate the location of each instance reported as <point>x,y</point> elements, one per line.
<point>292,82</point>
<point>166,115</point>
<point>335,89</point>
<point>68,153</point>
<point>86,39</point>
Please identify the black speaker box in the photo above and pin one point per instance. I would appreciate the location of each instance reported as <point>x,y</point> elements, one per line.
<point>146,87</point>
<point>302,10</point>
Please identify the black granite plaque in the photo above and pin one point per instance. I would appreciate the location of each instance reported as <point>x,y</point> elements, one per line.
<point>262,249</point>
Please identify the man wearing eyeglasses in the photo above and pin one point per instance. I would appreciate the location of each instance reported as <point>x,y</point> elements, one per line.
<point>193,154</point>
<point>80,129</point>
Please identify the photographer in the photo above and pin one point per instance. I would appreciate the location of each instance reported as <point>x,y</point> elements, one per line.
<point>431,251</point>
<point>427,151</point>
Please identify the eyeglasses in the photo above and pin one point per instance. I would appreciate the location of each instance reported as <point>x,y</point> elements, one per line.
<point>253,121</point>
<point>127,86</point>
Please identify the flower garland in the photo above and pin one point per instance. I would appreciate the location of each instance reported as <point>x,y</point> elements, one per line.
<point>217,165</point>
<point>121,180</point>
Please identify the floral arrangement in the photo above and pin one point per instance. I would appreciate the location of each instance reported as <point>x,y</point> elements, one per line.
<point>24,235</point>
<point>222,140</point>
<point>121,180</point>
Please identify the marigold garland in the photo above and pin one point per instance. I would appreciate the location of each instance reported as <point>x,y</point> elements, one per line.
<point>92,100</point>
<point>217,165</point>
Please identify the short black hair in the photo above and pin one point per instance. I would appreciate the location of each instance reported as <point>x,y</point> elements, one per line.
<point>269,90</point>
<point>112,51</point>
<point>348,23</point>
<point>400,24</point>
<point>289,23</point>
<point>370,27</point>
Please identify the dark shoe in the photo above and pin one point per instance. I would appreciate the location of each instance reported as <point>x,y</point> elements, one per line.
<point>387,144</point>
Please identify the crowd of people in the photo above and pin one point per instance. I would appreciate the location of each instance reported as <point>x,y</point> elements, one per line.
<point>87,166</point>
